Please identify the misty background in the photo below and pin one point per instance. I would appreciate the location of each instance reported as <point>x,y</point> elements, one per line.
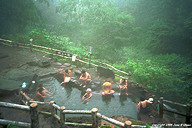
<point>151,39</point>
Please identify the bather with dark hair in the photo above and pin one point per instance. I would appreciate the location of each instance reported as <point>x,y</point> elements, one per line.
<point>85,78</point>
<point>143,107</point>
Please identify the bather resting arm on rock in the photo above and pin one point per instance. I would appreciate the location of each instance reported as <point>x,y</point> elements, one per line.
<point>42,94</point>
<point>143,104</point>
<point>44,89</point>
<point>67,77</point>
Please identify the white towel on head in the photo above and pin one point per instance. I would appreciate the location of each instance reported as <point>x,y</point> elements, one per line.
<point>150,99</point>
<point>88,90</point>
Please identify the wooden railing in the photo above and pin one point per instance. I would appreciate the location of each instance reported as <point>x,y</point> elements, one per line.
<point>64,54</point>
<point>187,107</point>
<point>19,107</point>
<point>59,113</point>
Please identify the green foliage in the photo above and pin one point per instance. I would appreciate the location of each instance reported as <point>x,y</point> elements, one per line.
<point>152,39</point>
<point>158,73</point>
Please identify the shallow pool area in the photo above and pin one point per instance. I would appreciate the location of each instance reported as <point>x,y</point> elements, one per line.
<point>70,97</point>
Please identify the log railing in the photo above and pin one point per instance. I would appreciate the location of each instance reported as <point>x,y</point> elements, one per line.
<point>20,107</point>
<point>187,107</point>
<point>64,54</point>
<point>59,113</point>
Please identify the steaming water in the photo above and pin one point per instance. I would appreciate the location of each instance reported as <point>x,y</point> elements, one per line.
<point>70,97</point>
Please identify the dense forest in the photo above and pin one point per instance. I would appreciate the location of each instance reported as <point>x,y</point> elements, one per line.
<point>150,38</point>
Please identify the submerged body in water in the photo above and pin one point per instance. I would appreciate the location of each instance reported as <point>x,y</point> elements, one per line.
<point>109,105</point>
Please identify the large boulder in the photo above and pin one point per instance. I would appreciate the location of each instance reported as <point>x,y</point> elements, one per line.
<point>3,55</point>
<point>9,86</point>
<point>47,72</point>
<point>105,72</point>
<point>40,62</point>
<point>66,64</point>
<point>20,75</point>
<point>96,85</point>
<point>78,73</point>
<point>11,81</point>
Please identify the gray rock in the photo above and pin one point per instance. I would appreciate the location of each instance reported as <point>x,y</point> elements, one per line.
<point>98,83</point>
<point>47,72</point>
<point>95,87</point>
<point>59,76</point>
<point>73,66</point>
<point>74,81</point>
<point>62,66</point>
<point>105,72</point>
<point>57,64</point>
<point>41,63</point>
<point>115,86</point>
<point>67,65</point>
<point>77,72</point>
<point>3,55</point>
<point>44,64</point>
<point>32,63</point>
<point>20,75</point>
<point>9,86</point>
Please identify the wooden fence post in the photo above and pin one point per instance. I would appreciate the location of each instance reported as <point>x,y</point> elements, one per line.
<point>51,53</point>
<point>34,115</point>
<point>22,98</point>
<point>62,115</point>
<point>128,124</point>
<point>78,57</point>
<point>13,43</point>
<point>89,60</point>
<point>129,75</point>
<point>161,107</point>
<point>31,46</point>
<point>188,113</point>
<point>53,110</point>
<point>94,116</point>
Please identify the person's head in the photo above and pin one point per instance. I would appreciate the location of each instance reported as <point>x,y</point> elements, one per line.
<point>41,86</point>
<point>107,83</point>
<point>123,79</point>
<point>66,71</point>
<point>88,90</point>
<point>40,90</point>
<point>83,71</point>
<point>142,99</point>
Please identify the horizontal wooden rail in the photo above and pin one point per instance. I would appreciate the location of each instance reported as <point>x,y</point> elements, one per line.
<point>162,109</point>
<point>6,44</point>
<point>174,112</point>
<point>41,47</point>
<point>175,103</point>
<point>140,126</point>
<point>120,76</point>
<point>15,123</point>
<point>15,106</point>
<point>111,120</point>
<point>32,45</point>
<point>78,124</point>
<point>6,40</point>
<point>23,44</point>
<point>56,106</point>
<point>57,117</point>
<point>77,112</point>
<point>39,102</point>
<point>32,108</point>
<point>45,113</point>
